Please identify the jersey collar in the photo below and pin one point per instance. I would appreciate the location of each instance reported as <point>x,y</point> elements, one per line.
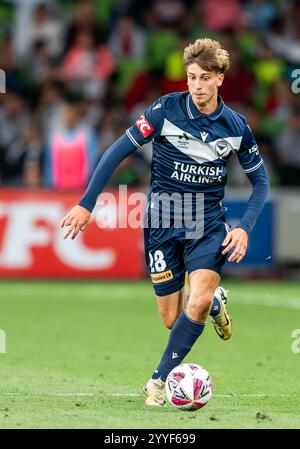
<point>193,111</point>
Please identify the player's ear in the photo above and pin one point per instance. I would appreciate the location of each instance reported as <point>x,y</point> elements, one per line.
<point>220,79</point>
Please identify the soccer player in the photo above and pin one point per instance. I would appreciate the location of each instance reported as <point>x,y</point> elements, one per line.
<point>194,134</point>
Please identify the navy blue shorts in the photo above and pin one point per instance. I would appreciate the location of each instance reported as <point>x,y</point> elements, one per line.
<point>168,259</point>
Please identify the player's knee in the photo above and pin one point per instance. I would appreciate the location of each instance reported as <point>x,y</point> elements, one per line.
<point>200,303</point>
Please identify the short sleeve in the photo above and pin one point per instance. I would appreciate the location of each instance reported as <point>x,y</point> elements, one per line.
<point>248,154</point>
<point>148,125</point>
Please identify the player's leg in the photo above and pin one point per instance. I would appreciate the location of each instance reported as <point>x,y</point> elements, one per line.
<point>219,314</point>
<point>171,306</point>
<point>216,306</point>
<point>167,271</point>
<point>190,324</point>
<point>203,283</point>
<point>202,296</point>
<point>204,261</point>
<point>208,254</point>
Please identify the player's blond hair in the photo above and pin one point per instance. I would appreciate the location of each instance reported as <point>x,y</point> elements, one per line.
<point>208,54</point>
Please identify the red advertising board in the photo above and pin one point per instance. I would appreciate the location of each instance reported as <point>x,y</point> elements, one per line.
<point>32,244</point>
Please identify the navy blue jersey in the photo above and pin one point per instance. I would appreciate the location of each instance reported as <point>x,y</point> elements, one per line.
<point>191,149</point>
<point>190,153</point>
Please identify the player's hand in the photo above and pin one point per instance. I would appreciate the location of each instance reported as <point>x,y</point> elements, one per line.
<point>77,220</point>
<point>238,239</point>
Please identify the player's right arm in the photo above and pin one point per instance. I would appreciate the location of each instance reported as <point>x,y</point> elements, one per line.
<point>143,131</point>
<point>77,220</point>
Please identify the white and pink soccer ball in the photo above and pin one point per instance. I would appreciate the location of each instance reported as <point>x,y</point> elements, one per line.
<point>189,387</point>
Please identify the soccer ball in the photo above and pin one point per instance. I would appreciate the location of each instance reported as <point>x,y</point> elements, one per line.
<point>189,387</point>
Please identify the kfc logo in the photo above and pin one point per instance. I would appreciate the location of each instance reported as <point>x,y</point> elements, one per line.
<point>144,126</point>
<point>32,244</point>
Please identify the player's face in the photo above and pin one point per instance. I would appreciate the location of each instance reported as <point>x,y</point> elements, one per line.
<point>203,85</point>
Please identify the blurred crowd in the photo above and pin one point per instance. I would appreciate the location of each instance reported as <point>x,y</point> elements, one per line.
<point>78,73</point>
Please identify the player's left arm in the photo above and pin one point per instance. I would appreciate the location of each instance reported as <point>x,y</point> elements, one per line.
<point>252,163</point>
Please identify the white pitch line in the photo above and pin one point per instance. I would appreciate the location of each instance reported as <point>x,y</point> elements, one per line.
<point>264,299</point>
<point>68,394</point>
<point>286,302</point>
<point>258,395</point>
<point>46,394</point>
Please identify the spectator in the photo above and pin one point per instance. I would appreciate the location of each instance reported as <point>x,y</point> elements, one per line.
<point>72,152</point>
<point>14,118</point>
<point>268,68</point>
<point>127,40</point>
<point>174,77</point>
<point>32,159</point>
<point>169,12</point>
<point>222,15</point>
<point>142,83</point>
<point>260,14</point>
<point>284,44</point>
<point>40,62</point>
<point>84,20</point>
<point>48,112</point>
<point>287,150</point>
<point>281,100</point>
<point>24,11</point>
<point>8,63</point>
<point>43,64</point>
<point>42,25</point>
<point>88,66</point>
<point>238,87</point>
<point>46,27</point>
<point>112,125</point>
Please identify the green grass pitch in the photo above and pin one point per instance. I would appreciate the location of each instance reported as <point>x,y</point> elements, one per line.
<point>78,354</point>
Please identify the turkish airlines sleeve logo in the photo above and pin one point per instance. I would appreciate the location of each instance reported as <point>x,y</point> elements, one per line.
<point>144,126</point>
